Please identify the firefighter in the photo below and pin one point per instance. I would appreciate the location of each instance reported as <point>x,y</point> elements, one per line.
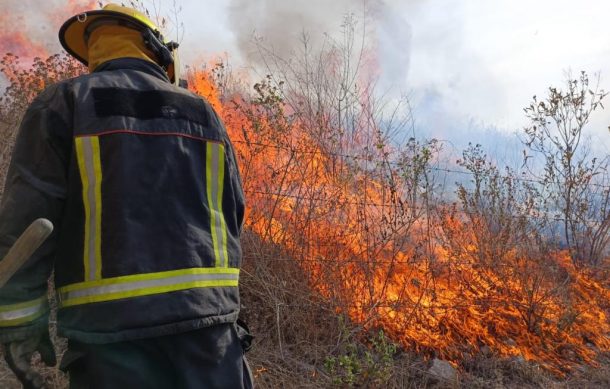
<point>141,181</point>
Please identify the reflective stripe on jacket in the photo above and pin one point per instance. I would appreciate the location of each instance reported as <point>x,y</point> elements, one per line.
<point>152,206</point>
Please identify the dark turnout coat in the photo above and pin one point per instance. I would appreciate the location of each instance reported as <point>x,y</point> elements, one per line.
<point>140,179</point>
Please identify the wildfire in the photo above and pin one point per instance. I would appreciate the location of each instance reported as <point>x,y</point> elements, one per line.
<point>18,43</point>
<point>16,35</point>
<point>442,302</point>
<point>366,252</point>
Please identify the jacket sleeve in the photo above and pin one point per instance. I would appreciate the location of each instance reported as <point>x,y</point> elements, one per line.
<point>35,187</point>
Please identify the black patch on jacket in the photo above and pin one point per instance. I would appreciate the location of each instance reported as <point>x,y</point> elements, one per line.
<point>148,105</point>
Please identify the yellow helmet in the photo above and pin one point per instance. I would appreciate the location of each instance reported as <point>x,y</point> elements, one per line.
<point>74,34</point>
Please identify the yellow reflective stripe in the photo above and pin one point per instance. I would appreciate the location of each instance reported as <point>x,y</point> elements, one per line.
<point>148,276</point>
<point>26,304</point>
<point>146,284</point>
<point>97,168</point>
<point>215,172</point>
<point>90,168</point>
<point>68,301</point>
<point>80,156</point>
<point>17,314</point>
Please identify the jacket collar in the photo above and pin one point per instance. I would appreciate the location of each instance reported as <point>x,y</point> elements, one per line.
<point>133,64</point>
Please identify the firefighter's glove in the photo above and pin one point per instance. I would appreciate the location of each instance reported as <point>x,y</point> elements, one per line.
<point>18,355</point>
<point>245,337</point>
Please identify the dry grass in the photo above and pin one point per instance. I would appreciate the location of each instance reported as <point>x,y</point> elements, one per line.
<point>297,333</point>
<point>303,341</point>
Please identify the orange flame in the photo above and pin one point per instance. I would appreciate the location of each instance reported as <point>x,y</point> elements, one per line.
<point>340,223</point>
<point>15,37</point>
<point>19,44</point>
<point>444,303</point>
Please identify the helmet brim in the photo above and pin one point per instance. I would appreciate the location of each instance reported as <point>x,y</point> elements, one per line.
<point>72,32</point>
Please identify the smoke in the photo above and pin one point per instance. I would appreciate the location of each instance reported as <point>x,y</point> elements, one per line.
<point>29,30</point>
<point>394,47</point>
<point>280,26</point>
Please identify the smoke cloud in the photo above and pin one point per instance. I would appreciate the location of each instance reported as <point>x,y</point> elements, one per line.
<point>281,25</point>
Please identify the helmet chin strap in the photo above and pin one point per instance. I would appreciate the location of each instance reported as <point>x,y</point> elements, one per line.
<point>154,42</point>
<point>166,53</point>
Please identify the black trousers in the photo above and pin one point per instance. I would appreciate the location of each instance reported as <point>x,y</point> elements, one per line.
<point>211,357</point>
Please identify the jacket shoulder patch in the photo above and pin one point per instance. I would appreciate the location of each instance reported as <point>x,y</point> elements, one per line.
<point>150,104</point>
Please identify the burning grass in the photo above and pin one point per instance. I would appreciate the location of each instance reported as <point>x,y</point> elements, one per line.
<point>435,281</point>
<point>346,237</point>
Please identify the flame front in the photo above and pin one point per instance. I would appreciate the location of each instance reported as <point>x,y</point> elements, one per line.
<point>368,249</point>
<point>343,228</point>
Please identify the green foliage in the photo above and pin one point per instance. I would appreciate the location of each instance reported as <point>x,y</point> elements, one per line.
<point>359,365</point>
<point>502,218</point>
<point>415,168</point>
<point>498,206</point>
<point>575,182</point>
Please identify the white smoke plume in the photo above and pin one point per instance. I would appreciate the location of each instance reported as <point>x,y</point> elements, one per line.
<point>281,25</point>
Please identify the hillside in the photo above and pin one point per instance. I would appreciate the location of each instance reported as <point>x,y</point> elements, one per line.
<point>359,269</point>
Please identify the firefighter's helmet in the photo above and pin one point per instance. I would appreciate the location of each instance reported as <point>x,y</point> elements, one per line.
<point>75,32</point>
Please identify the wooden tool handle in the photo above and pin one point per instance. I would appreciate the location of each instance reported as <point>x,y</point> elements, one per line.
<point>23,248</point>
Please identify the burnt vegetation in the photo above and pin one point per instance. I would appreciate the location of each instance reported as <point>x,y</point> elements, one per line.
<point>363,266</point>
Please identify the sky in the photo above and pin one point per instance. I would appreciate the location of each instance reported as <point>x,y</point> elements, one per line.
<point>468,66</point>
